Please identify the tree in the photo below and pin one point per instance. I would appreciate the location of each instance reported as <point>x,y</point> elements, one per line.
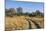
<point>6,10</point>
<point>10,12</point>
<point>36,13</point>
<point>19,10</point>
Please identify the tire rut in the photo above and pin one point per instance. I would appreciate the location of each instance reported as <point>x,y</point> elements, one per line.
<point>36,24</point>
<point>30,20</point>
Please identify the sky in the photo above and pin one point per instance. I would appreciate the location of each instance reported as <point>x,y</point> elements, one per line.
<point>27,6</point>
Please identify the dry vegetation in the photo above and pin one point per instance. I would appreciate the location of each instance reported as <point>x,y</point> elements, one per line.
<point>23,22</point>
<point>16,19</point>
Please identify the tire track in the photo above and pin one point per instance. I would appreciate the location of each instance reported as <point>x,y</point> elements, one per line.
<point>36,24</point>
<point>29,24</point>
<point>30,20</point>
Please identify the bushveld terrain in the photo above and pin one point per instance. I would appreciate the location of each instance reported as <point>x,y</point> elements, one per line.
<point>24,15</point>
<point>23,23</point>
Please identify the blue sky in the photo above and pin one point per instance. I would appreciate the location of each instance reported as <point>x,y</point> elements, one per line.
<point>27,6</point>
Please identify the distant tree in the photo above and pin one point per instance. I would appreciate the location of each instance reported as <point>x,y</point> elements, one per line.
<point>27,13</point>
<point>36,13</point>
<point>10,12</point>
<point>32,14</point>
<point>6,10</point>
<point>42,14</point>
<point>19,10</point>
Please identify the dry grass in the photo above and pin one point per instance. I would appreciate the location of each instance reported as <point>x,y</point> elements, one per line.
<point>19,22</point>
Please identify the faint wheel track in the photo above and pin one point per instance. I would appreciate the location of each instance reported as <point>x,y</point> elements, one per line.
<point>29,24</point>
<point>30,27</point>
<point>36,24</point>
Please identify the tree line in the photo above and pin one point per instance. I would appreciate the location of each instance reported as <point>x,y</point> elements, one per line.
<point>19,11</point>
